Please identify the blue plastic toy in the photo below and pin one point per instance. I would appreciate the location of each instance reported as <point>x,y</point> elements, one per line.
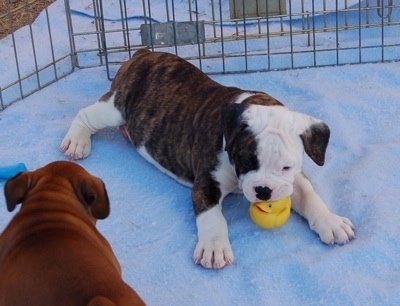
<point>11,171</point>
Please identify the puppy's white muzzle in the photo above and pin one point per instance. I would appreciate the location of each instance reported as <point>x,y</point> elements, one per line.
<point>251,189</point>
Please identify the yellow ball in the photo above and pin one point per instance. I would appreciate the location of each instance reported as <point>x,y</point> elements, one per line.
<point>271,214</point>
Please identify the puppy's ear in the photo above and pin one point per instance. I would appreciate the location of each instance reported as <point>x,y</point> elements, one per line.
<point>315,136</point>
<point>232,122</point>
<point>92,192</point>
<point>16,189</point>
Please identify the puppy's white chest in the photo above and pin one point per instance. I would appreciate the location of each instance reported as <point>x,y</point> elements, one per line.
<point>225,175</point>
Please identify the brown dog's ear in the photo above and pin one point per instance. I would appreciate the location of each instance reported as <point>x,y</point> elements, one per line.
<point>232,122</point>
<point>315,141</point>
<point>93,193</point>
<point>16,189</point>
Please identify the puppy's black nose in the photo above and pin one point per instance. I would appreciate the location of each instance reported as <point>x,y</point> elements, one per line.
<point>263,192</point>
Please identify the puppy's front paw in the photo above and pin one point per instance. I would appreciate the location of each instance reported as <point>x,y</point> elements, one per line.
<point>213,249</point>
<point>213,254</point>
<point>76,144</point>
<point>332,228</point>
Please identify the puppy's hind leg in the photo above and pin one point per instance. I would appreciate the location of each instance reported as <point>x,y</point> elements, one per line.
<point>76,143</point>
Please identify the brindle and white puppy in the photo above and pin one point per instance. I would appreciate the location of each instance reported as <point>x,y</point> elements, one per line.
<point>214,138</point>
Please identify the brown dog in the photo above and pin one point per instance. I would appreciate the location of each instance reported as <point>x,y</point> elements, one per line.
<point>51,252</point>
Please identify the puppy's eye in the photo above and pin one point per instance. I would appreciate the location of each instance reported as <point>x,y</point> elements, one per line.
<point>247,163</point>
<point>286,168</point>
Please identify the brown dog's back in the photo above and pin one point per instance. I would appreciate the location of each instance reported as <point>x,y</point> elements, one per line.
<point>51,252</point>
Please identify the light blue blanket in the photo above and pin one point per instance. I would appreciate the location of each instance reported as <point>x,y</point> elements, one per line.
<point>152,227</point>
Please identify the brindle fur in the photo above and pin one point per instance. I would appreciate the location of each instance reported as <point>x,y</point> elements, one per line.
<point>178,145</point>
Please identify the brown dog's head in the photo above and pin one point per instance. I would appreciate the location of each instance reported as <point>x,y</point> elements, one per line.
<point>60,177</point>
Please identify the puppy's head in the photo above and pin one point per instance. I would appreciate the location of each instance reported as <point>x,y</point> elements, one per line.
<point>56,180</point>
<point>265,144</point>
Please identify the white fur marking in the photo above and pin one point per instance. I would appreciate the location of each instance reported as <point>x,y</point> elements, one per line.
<point>330,227</point>
<point>76,143</point>
<point>243,96</point>
<point>213,249</point>
<point>225,175</point>
<point>278,146</point>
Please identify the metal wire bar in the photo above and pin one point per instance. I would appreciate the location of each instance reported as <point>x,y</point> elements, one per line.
<point>381,8</point>
<point>33,71</point>
<point>261,41</point>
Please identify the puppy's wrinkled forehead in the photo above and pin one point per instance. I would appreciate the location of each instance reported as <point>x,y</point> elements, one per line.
<point>270,119</point>
<point>291,127</point>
